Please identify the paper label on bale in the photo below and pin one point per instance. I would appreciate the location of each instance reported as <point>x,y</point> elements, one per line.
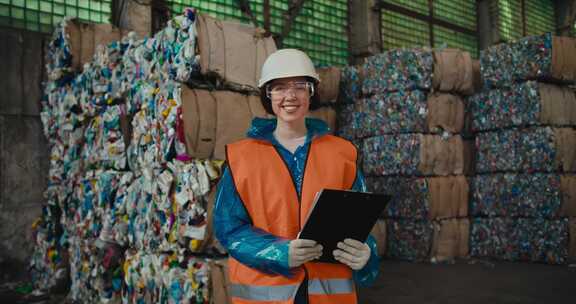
<point>233,120</point>
<point>194,232</point>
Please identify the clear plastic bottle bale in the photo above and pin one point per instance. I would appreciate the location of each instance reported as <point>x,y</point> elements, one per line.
<point>398,70</point>
<point>413,154</point>
<point>423,198</point>
<point>540,149</point>
<point>536,195</point>
<point>348,121</point>
<point>409,239</point>
<point>544,57</point>
<point>524,104</point>
<point>409,196</point>
<point>394,112</point>
<point>520,239</point>
<point>350,84</point>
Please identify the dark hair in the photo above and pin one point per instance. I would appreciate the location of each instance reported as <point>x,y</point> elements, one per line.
<point>314,100</point>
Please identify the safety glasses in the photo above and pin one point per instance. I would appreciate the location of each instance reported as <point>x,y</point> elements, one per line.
<point>299,89</point>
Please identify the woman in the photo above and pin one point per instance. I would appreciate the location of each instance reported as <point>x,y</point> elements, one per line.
<point>267,190</point>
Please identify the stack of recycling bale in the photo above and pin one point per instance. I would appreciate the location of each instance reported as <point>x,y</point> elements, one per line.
<point>137,137</point>
<point>523,204</point>
<point>404,110</point>
<point>122,193</point>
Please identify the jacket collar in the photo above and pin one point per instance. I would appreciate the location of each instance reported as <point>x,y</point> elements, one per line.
<point>263,128</point>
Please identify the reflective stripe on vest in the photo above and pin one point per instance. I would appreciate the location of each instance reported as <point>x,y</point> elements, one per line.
<point>330,286</point>
<point>287,292</point>
<point>264,293</point>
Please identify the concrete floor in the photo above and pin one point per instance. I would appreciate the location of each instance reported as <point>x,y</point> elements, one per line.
<point>470,282</point>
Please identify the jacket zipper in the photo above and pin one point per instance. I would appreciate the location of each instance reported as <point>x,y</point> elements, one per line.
<point>299,195</point>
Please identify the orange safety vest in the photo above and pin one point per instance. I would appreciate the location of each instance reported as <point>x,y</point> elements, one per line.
<point>266,188</point>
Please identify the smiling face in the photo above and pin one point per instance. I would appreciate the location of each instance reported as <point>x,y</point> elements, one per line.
<point>290,98</point>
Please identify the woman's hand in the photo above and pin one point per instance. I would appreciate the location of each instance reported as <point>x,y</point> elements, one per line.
<point>302,251</point>
<point>353,253</point>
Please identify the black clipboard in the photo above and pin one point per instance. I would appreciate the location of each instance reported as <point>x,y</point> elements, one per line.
<point>340,214</point>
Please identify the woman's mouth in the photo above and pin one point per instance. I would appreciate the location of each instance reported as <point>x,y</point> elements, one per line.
<point>290,108</point>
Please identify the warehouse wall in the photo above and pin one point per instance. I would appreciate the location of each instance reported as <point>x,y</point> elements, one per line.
<point>23,147</point>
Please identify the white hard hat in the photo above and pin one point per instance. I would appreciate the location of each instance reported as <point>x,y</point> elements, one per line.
<point>287,63</point>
